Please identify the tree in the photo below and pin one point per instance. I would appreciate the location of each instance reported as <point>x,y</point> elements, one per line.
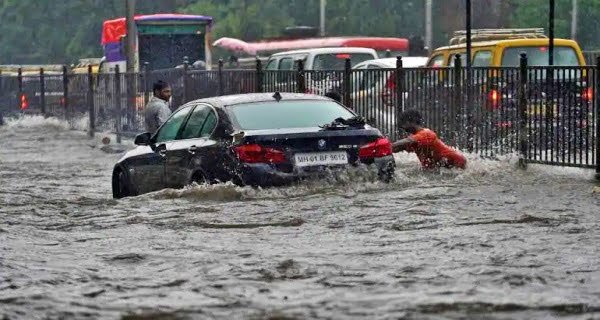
<point>245,19</point>
<point>34,31</point>
<point>534,13</point>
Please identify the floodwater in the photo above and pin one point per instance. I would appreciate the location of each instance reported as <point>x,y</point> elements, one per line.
<point>493,242</point>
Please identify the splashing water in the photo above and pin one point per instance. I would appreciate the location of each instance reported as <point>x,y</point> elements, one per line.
<point>491,241</point>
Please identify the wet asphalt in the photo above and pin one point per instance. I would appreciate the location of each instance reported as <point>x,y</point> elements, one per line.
<point>492,242</point>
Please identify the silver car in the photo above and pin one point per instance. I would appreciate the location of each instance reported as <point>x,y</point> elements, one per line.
<point>374,87</point>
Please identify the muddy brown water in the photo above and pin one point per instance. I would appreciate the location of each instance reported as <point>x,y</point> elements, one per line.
<point>492,242</point>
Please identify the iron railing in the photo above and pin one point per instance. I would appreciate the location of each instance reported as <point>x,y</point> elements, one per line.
<point>545,114</point>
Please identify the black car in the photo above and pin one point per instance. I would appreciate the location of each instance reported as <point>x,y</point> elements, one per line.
<point>265,139</point>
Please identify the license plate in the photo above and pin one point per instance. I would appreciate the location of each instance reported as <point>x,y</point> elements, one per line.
<point>321,158</point>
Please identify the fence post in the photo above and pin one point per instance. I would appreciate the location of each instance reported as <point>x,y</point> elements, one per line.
<point>42,91</point>
<point>470,141</point>
<point>596,93</point>
<point>300,79</point>
<point>347,82</point>
<point>455,115</point>
<point>118,103</point>
<point>22,104</point>
<point>399,93</point>
<point>522,111</point>
<point>220,76</point>
<point>399,84</point>
<point>186,66</point>
<point>1,88</point>
<point>130,106</point>
<point>146,83</point>
<point>259,75</point>
<point>65,98</point>
<point>90,102</point>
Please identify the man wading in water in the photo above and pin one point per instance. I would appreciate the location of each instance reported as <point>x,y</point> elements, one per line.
<point>157,110</point>
<point>430,150</point>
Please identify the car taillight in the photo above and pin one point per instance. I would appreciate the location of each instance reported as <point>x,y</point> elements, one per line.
<point>254,153</point>
<point>494,98</point>
<point>24,103</point>
<point>587,95</point>
<point>380,148</point>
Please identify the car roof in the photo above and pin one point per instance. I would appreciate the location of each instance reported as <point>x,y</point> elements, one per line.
<point>327,50</point>
<point>510,43</point>
<point>230,100</point>
<point>407,62</point>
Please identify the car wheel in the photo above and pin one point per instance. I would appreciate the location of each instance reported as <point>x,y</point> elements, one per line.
<point>120,186</point>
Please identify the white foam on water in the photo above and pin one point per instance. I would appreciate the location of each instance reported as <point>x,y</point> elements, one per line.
<point>503,169</point>
<point>355,180</point>
<point>36,121</point>
<point>345,182</point>
<point>80,125</point>
<point>561,172</point>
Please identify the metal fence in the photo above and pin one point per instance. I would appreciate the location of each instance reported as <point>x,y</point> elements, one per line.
<point>545,114</point>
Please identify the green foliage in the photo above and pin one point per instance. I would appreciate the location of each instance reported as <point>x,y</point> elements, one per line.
<point>34,31</point>
<point>534,13</point>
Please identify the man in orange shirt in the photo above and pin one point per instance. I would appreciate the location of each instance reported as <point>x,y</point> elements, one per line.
<point>430,150</point>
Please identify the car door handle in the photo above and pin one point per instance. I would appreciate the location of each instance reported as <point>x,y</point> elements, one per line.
<point>193,149</point>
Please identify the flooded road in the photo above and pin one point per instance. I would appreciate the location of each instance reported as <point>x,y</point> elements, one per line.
<point>492,242</point>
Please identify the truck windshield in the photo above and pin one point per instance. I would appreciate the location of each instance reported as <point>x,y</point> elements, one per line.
<point>538,56</point>
<point>336,61</point>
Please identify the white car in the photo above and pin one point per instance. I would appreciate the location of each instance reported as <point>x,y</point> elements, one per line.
<point>325,67</point>
<point>319,58</point>
<point>374,89</point>
<point>382,82</point>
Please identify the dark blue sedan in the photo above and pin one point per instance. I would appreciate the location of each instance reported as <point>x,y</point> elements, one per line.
<point>266,139</point>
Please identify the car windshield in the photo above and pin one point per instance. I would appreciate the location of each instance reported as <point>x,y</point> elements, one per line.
<point>393,53</point>
<point>538,56</point>
<point>337,61</point>
<point>288,114</point>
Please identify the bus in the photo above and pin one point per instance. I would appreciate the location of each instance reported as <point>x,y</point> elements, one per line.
<point>163,40</point>
<point>396,46</point>
<point>245,53</point>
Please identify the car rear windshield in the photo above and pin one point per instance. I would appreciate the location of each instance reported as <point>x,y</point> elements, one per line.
<point>287,114</point>
<point>538,56</point>
<point>336,61</point>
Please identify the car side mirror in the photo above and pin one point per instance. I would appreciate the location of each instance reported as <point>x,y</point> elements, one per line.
<point>143,139</point>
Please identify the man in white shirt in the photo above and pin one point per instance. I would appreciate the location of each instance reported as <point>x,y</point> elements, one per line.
<point>157,110</point>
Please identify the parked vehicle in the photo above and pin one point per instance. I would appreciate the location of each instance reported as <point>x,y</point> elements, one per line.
<point>30,98</point>
<point>379,87</point>
<point>163,40</point>
<point>374,91</point>
<point>252,139</point>
<point>324,67</point>
<point>501,48</point>
<point>304,38</point>
<point>320,59</point>
<point>494,92</point>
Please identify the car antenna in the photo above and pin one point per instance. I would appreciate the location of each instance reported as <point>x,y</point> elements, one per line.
<point>277,96</point>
